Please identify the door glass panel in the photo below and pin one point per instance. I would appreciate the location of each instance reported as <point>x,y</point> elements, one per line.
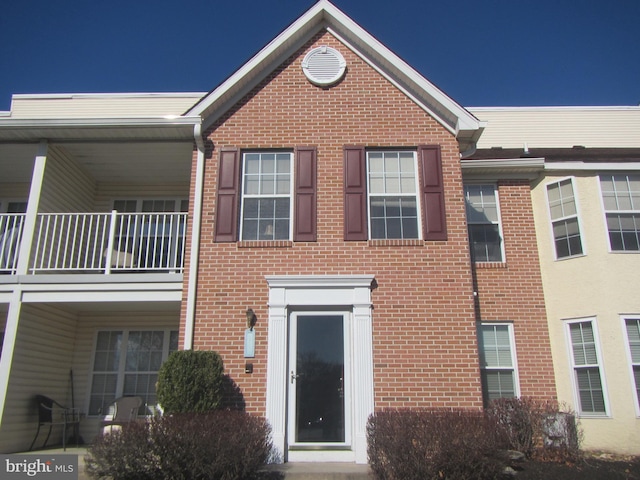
<point>319,380</point>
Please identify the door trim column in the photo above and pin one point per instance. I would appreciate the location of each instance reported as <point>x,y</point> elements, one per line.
<point>346,291</point>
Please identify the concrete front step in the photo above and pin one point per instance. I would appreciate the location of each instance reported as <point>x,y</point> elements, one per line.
<point>317,471</point>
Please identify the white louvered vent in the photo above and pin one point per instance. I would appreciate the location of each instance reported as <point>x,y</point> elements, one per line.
<point>324,66</point>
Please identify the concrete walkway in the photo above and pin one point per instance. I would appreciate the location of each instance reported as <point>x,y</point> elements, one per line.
<point>285,471</point>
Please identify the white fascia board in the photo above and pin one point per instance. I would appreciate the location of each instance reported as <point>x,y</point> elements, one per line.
<point>592,166</point>
<point>558,108</point>
<point>530,164</point>
<point>325,15</point>
<point>465,120</point>
<point>168,120</point>
<point>45,96</point>
<point>311,18</point>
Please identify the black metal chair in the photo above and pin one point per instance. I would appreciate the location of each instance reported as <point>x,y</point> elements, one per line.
<point>53,413</point>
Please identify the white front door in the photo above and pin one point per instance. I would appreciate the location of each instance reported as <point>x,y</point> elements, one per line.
<point>319,384</point>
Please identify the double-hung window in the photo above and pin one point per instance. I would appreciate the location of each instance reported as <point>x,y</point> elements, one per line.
<point>393,202</point>
<point>632,326</point>
<point>483,220</point>
<point>621,198</point>
<point>587,376</point>
<point>497,361</point>
<point>266,196</point>
<point>564,218</point>
<point>126,363</point>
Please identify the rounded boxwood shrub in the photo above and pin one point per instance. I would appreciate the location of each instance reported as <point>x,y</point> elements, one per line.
<point>191,381</point>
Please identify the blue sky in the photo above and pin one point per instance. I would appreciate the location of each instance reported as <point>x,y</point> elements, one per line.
<point>480,52</point>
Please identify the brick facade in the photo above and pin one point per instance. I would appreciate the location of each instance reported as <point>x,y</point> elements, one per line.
<point>512,291</point>
<point>424,321</point>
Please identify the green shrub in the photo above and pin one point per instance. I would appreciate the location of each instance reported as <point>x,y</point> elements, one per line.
<point>538,428</point>
<point>191,381</point>
<point>432,444</point>
<point>220,445</point>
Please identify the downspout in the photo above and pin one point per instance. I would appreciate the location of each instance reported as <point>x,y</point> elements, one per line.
<point>195,239</point>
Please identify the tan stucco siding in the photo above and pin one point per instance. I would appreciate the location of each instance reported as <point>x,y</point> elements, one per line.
<point>599,285</point>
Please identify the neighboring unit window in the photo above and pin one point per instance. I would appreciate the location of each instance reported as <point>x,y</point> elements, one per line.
<point>497,364</point>
<point>266,196</point>
<point>621,197</point>
<point>483,219</point>
<point>564,219</point>
<point>126,363</point>
<point>586,367</point>
<point>633,336</point>
<point>393,204</point>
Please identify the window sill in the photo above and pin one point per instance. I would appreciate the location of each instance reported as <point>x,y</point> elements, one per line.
<point>490,265</point>
<point>396,243</point>
<point>590,416</point>
<point>265,244</point>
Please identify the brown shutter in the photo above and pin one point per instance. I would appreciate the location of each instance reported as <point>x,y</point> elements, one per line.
<point>304,226</point>
<point>226,222</point>
<point>432,187</point>
<point>355,194</point>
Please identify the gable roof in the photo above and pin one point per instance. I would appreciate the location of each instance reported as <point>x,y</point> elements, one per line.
<point>324,15</point>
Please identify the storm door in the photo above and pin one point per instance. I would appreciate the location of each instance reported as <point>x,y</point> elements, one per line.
<point>319,414</point>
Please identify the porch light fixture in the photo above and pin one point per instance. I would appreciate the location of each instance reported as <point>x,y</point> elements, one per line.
<point>251,318</point>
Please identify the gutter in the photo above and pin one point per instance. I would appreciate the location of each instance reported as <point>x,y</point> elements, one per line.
<point>98,122</point>
<point>195,240</point>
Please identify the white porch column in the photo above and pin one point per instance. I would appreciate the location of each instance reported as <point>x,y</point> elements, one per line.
<point>277,369</point>
<point>28,231</point>
<point>362,378</point>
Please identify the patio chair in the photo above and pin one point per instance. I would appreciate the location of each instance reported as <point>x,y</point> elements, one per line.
<point>121,411</point>
<point>53,413</point>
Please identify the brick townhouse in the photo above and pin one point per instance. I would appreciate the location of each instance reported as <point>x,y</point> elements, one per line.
<point>327,187</point>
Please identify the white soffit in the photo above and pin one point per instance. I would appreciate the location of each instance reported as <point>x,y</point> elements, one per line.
<point>324,14</point>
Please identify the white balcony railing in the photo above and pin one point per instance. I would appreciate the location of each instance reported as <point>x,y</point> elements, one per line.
<point>11,225</point>
<point>109,242</point>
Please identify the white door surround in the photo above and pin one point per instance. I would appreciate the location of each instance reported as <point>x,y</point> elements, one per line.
<point>288,293</point>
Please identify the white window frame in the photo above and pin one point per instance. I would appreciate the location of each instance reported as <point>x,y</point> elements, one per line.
<point>499,222</point>
<point>122,371</point>
<point>635,212</point>
<point>563,218</point>
<point>634,387</point>
<point>415,195</point>
<point>514,356</point>
<point>275,195</point>
<point>598,365</point>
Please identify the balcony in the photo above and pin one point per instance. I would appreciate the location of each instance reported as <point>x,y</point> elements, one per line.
<point>96,243</point>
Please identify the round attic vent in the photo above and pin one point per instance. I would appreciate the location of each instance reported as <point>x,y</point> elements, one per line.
<point>324,66</point>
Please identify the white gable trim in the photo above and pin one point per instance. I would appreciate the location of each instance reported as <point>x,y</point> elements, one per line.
<point>324,14</point>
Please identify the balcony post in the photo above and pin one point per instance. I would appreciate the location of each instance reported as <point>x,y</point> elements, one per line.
<point>30,218</point>
<point>110,242</point>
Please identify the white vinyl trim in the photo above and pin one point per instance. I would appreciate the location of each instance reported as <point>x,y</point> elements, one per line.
<point>599,364</point>
<point>335,292</point>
